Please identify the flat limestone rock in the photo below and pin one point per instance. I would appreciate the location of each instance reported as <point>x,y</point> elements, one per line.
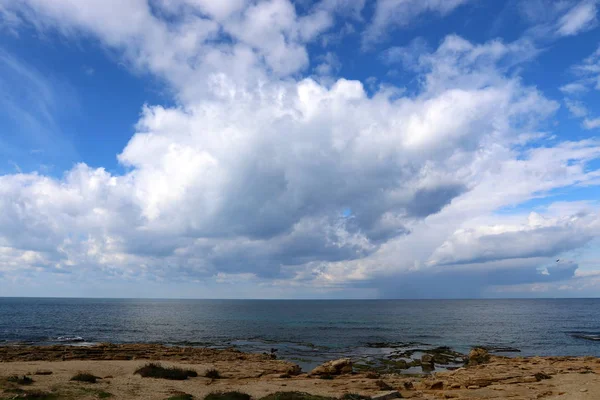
<point>335,367</point>
<point>394,394</point>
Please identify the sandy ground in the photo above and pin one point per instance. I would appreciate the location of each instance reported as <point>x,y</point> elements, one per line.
<point>258,375</point>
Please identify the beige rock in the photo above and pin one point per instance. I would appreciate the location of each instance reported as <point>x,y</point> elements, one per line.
<point>478,356</point>
<point>335,367</point>
<point>258,376</point>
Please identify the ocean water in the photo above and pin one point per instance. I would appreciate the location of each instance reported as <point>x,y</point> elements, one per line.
<point>307,331</point>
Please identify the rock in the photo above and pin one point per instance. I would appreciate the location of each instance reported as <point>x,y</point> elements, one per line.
<point>427,363</point>
<point>492,349</point>
<point>427,368</point>
<point>387,395</point>
<point>473,387</point>
<point>541,376</point>
<point>398,364</point>
<point>437,385</point>
<point>583,390</point>
<point>478,356</point>
<point>294,370</point>
<point>43,372</point>
<point>408,385</point>
<point>382,385</point>
<point>335,367</point>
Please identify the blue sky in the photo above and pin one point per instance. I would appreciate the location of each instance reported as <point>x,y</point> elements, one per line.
<point>308,149</point>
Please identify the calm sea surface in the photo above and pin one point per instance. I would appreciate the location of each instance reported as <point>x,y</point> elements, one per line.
<point>310,331</point>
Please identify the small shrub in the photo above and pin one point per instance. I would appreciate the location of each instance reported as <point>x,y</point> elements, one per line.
<point>104,395</point>
<point>155,370</point>
<point>85,377</point>
<point>295,396</point>
<point>212,374</point>
<point>20,380</point>
<point>227,396</point>
<point>14,390</point>
<point>181,396</point>
<point>326,377</point>
<point>36,395</point>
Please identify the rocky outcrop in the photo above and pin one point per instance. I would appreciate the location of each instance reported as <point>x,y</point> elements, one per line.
<point>478,356</point>
<point>393,394</point>
<point>427,363</point>
<point>335,367</point>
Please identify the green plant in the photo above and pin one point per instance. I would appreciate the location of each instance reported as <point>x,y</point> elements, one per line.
<point>181,396</point>
<point>212,374</point>
<point>295,396</point>
<point>155,370</point>
<point>20,380</point>
<point>35,395</point>
<point>85,377</point>
<point>227,396</point>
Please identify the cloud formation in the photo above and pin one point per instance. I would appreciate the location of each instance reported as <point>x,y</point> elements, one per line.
<point>394,14</point>
<point>580,18</point>
<point>587,78</point>
<point>261,171</point>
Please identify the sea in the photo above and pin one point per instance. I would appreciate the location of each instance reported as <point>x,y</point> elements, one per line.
<point>311,331</point>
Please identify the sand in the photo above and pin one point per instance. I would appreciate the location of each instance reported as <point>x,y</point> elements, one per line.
<point>259,375</point>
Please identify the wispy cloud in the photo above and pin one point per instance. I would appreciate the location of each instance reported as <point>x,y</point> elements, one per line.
<point>574,88</point>
<point>576,108</point>
<point>580,18</point>
<point>30,105</point>
<point>393,14</point>
<point>593,123</point>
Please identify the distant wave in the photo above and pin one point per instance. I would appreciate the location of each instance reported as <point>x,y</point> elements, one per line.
<point>70,339</point>
<point>586,336</point>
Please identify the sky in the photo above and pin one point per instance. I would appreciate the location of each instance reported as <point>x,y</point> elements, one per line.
<point>300,149</point>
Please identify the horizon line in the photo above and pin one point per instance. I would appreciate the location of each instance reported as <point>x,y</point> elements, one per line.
<point>299,299</point>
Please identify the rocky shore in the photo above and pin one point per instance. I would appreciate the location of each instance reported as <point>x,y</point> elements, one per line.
<point>48,372</point>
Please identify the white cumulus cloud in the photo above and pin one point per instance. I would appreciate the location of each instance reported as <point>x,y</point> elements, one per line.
<point>260,173</point>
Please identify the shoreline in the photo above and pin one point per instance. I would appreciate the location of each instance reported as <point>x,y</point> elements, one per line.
<point>260,374</point>
<point>383,357</point>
